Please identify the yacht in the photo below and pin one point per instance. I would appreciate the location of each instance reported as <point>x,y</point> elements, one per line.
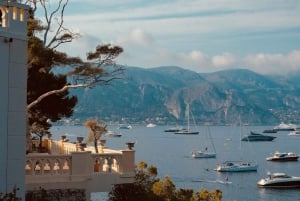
<point>283,156</point>
<point>279,180</point>
<point>285,127</point>
<point>295,132</point>
<point>253,136</point>
<point>150,125</point>
<point>236,166</point>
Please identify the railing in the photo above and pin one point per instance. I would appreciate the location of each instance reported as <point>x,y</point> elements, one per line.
<point>65,158</point>
<point>45,164</point>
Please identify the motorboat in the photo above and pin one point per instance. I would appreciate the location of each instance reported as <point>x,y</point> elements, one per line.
<point>283,156</point>
<point>124,126</point>
<point>112,134</point>
<point>203,154</point>
<point>285,127</point>
<point>295,132</point>
<point>279,180</point>
<point>253,136</point>
<point>150,125</point>
<point>236,166</point>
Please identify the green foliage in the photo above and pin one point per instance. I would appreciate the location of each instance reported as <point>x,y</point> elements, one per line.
<point>164,188</point>
<point>148,187</point>
<point>48,95</point>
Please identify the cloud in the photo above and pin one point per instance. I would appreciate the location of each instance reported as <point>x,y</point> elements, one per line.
<point>204,36</point>
<point>139,37</point>
<point>223,61</point>
<point>273,63</point>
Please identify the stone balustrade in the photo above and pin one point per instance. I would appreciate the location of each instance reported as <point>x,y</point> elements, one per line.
<point>71,165</point>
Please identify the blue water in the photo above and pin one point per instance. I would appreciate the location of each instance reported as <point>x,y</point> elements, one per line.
<point>171,154</point>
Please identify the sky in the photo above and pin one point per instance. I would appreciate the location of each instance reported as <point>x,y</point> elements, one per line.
<point>200,35</point>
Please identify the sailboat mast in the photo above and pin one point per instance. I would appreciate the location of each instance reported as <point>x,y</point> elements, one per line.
<point>188,115</point>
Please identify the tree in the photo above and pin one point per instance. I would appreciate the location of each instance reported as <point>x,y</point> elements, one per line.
<point>164,188</point>
<point>48,95</point>
<point>205,195</point>
<point>96,131</point>
<point>148,187</point>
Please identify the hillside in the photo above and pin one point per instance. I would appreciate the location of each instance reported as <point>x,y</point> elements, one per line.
<point>160,95</point>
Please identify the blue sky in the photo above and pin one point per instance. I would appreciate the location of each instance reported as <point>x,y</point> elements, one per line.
<point>200,35</point>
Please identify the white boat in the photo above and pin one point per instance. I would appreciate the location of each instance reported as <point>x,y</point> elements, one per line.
<point>285,127</point>
<point>205,153</point>
<point>236,166</point>
<point>150,125</point>
<point>187,131</point>
<point>125,126</point>
<point>295,132</point>
<point>279,180</point>
<point>112,134</point>
<point>283,156</point>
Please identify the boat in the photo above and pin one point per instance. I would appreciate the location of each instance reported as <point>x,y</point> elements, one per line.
<point>285,127</point>
<point>283,156</point>
<point>269,131</point>
<point>173,129</point>
<point>150,125</point>
<point>253,136</point>
<point>279,180</point>
<point>125,126</point>
<point>205,153</point>
<point>236,166</point>
<point>112,134</point>
<point>187,131</point>
<point>295,132</point>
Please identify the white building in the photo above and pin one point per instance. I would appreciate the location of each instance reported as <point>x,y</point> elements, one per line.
<point>61,166</point>
<point>13,82</point>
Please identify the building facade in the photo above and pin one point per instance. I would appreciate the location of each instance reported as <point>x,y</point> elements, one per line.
<point>13,82</point>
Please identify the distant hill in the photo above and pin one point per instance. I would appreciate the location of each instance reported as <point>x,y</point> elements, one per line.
<point>160,95</point>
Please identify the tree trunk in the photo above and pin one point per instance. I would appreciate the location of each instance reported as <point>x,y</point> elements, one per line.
<point>96,146</point>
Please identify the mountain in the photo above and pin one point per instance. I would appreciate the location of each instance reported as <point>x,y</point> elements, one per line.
<point>160,95</point>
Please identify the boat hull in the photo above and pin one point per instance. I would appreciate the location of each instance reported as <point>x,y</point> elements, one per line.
<point>257,137</point>
<point>295,183</point>
<point>283,159</point>
<point>200,154</point>
<point>187,132</point>
<point>237,167</point>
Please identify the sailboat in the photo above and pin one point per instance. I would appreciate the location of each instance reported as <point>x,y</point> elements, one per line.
<point>237,166</point>
<point>184,130</point>
<point>205,153</point>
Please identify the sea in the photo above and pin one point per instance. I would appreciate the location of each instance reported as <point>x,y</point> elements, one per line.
<point>171,154</point>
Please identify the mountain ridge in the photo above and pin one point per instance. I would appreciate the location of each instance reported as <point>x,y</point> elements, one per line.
<point>160,95</point>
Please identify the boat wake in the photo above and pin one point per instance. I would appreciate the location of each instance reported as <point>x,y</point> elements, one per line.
<point>213,181</point>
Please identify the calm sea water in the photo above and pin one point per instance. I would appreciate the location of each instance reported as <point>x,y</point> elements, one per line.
<point>171,154</point>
